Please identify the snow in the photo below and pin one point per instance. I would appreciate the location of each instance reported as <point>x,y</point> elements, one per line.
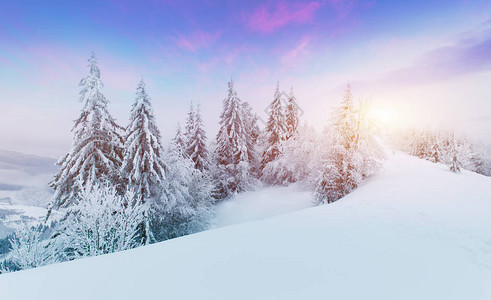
<point>413,231</point>
<point>261,204</point>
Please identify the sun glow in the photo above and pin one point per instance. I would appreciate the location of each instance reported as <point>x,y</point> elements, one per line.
<point>386,117</point>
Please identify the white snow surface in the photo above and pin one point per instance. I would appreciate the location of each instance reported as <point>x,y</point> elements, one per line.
<point>413,231</point>
<point>262,204</point>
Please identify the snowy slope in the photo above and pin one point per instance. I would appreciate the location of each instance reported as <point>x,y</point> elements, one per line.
<point>261,204</point>
<point>24,190</point>
<point>414,231</point>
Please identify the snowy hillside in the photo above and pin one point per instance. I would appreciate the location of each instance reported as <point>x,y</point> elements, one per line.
<point>24,189</point>
<point>413,231</point>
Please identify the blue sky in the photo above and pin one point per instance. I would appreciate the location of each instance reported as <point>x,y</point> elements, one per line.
<point>428,59</point>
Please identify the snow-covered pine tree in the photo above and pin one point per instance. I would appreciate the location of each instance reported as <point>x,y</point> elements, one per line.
<point>196,148</point>
<point>352,153</point>
<point>299,160</point>
<point>185,204</point>
<point>251,121</point>
<point>435,150</point>
<point>189,129</point>
<point>233,159</point>
<point>96,150</point>
<point>179,140</point>
<point>455,163</point>
<point>292,118</point>
<point>275,129</point>
<point>143,165</point>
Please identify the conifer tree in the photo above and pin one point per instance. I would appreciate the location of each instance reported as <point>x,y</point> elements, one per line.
<point>251,121</point>
<point>189,129</point>
<point>275,129</point>
<point>292,118</point>
<point>435,150</point>
<point>96,151</point>
<point>352,153</point>
<point>185,203</point>
<point>455,163</point>
<point>196,149</point>
<point>143,164</point>
<point>233,156</point>
<point>179,140</point>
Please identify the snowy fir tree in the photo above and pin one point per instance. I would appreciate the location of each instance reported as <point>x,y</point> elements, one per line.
<point>253,130</point>
<point>185,204</point>
<point>96,150</point>
<point>454,162</point>
<point>179,139</point>
<point>189,130</point>
<point>298,161</point>
<point>352,152</point>
<point>435,150</point>
<point>275,130</point>
<point>233,165</point>
<point>143,166</point>
<point>292,118</point>
<point>196,142</point>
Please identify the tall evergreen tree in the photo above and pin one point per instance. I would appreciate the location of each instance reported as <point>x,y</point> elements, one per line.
<point>96,152</point>
<point>352,153</point>
<point>435,150</point>
<point>189,129</point>
<point>232,151</point>
<point>179,140</point>
<point>186,199</point>
<point>143,164</point>
<point>292,118</point>
<point>275,129</point>
<point>252,127</point>
<point>196,149</point>
<point>455,163</point>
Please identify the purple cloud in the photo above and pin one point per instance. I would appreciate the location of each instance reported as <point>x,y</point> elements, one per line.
<point>269,18</point>
<point>197,40</point>
<point>470,54</point>
<point>447,62</point>
<point>298,52</point>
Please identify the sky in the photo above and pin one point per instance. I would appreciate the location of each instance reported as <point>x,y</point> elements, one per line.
<point>426,62</point>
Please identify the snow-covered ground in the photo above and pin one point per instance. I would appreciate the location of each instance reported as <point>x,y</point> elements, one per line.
<point>261,204</point>
<point>24,190</point>
<point>413,231</point>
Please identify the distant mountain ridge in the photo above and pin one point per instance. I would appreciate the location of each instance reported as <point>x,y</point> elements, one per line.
<point>24,178</point>
<point>24,188</point>
<point>32,164</point>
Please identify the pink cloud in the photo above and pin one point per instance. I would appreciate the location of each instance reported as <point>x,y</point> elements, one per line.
<point>298,52</point>
<point>197,40</point>
<point>267,19</point>
<point>207,65</point>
